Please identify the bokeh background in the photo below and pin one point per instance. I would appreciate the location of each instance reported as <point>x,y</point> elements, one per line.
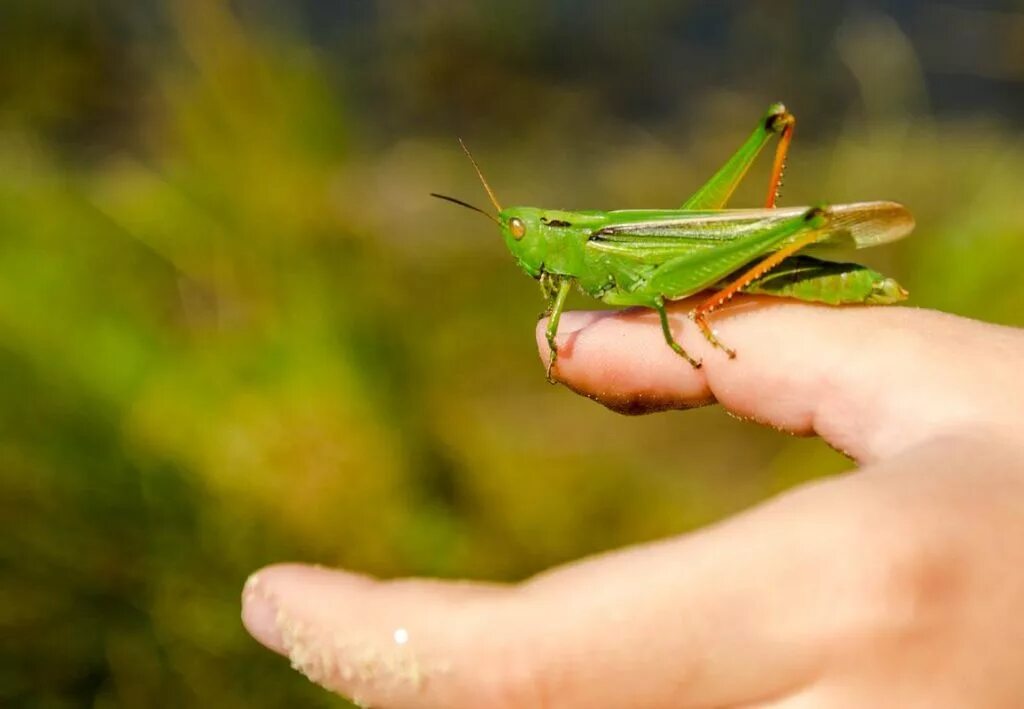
<point>234,329</point>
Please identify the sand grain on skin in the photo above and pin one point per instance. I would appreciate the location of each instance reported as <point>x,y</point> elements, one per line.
<point>367,670</point>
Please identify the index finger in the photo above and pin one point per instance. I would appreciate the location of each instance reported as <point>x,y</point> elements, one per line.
<point>871,381</point>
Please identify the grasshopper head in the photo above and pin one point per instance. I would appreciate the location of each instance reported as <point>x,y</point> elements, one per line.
<point>524,237</point>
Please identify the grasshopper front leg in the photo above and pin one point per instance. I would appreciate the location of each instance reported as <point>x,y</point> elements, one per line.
<point>554,311</point>
<point>669,338</point>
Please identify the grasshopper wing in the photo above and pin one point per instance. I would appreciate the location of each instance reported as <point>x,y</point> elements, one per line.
<point>656,237</point>
<point>865,224</point>
<point>674,254</point>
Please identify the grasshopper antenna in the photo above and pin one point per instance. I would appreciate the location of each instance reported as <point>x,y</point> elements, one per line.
<point>480,174</point>
<point>467,205</point>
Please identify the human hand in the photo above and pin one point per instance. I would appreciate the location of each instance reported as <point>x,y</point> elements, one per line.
<point>898,585</point>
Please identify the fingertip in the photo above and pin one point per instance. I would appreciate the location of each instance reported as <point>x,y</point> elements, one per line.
<point>381,643</point>
<point>272,594</point>
<point>569,323</point>
<point>620,359</point>
<point>259,614</point>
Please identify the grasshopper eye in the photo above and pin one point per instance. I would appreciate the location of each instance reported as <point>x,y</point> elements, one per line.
<point>517,227</point>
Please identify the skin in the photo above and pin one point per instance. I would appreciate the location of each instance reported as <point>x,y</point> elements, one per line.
<point>899,584</point>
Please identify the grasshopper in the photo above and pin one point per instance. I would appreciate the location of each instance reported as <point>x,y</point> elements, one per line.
<point>649,257</point>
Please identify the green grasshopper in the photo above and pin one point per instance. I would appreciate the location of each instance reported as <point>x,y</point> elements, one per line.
<point>652,256</point>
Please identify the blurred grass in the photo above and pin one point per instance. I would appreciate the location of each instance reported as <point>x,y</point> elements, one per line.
<point>233,330</point>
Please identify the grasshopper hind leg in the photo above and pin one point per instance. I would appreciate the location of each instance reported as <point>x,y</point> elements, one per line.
<point>814,221</point>
<point>670,339</point>
<point>700,318</point>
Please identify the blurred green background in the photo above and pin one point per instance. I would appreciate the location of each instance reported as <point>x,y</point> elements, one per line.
<point>235,330</point>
